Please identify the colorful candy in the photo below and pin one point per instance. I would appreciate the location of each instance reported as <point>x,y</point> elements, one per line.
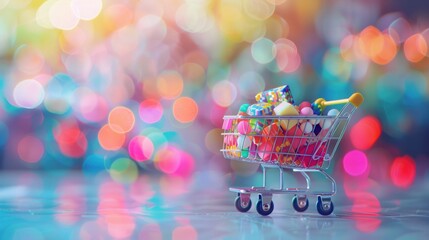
<point>265,152</point>
<point>279,94</point>
<point>257,125</point>
<point>286,109</point>
<point>227,124</point>
<point>260,109</point>
<point>306,154</point>
<point>306,127</point>
<point>243,142</point>
<point>295,135</point>
<point>243,108</point>
<point>244,127</point>
<point>304,104</point>
<point>306,111</point>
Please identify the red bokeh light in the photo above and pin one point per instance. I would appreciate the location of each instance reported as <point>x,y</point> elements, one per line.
<point>71,140</point>
<point>403,171</point>
<point>365,132</point>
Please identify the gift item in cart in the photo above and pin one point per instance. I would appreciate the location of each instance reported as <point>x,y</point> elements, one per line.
<point>293,138</point>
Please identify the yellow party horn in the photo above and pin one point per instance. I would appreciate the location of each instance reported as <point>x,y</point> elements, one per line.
<point>320,104</point>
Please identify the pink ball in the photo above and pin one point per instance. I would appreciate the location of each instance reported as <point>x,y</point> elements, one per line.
<point>306,111</point>
<point>265,152</point>
<point>304,104</point>
<point>244,127</point>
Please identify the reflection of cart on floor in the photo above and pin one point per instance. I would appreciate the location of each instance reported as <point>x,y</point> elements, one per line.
<point>280,144</point>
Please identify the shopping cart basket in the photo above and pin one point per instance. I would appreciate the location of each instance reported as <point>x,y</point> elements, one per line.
<point>281,144</point>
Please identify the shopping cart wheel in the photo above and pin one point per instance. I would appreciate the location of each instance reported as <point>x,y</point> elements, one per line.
<point>300,204</point>
<point>264,209</point>
<point>324,206</point>
<point>243,206</point>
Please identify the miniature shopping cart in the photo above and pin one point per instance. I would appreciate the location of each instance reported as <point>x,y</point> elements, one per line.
<point>282,142</point>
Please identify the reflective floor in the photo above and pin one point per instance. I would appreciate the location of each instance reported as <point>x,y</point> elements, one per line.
<point>70,205</point>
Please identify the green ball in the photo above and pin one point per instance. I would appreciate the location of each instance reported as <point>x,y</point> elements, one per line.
<point>244,107</point>
<point>245,153</point>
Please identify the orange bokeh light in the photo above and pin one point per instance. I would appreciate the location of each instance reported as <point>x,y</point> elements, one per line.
<point>185,110</point>
<point>379,47</point>
<point>170,85</point>
<point>415,48</point>
<point>121,119</point>
<point>109,139</point>
<point>365,132</point>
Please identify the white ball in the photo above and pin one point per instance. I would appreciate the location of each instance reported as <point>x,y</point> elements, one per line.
<point>333,112</point>
<point>306,127</point>
<point>326,123</point>
<point>243,142</point>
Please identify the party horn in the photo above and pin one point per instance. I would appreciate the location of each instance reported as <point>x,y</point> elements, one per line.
<point>320,104</point>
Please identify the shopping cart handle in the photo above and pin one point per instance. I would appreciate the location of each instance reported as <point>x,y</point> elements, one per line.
<point>356,99</point>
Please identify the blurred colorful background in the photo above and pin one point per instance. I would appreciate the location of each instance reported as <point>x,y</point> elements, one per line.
<point>139,87</point>
<point>125,90</point>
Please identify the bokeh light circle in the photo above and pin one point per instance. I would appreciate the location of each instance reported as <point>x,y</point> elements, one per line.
<point>403,171</point>
<point>30,149</point>
<point>185,109</point>
<point>61,15</point>
<point>287,56</point>
<point>365,132</point>
<point>224,93</point>
<point>121,119</point>
<point>71,141</point>
<point>259,10</point>
<point>123,170</point>
<point>170,85</point>
<point>263,50</point>
<point>86,9</point>
<point>109,139</point>
<point>415,48</point>
<point>355,163</point>
<point>140,148</point>
<point>29,94</point>
<point>172,160</point>
<point>150,111</point>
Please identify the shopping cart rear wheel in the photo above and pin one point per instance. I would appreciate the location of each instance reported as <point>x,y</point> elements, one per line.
<point>241,207</point>
<point>300,204</point>
<point>264,210</point>
<point>324,206</point>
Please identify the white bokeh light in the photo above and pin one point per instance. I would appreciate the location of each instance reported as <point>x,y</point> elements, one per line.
<point>28,94</point>
<point>61,15</point>
<point>86,9</point>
